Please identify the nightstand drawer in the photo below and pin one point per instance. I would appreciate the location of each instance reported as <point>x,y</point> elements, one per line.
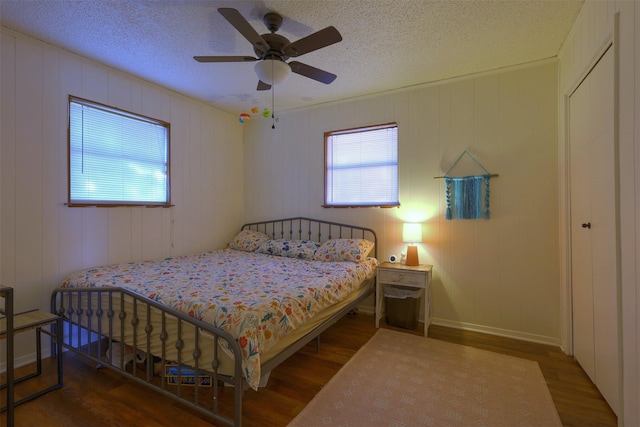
<point>402,277</point>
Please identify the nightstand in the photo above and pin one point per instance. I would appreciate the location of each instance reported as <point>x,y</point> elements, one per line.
<point>403,275</point>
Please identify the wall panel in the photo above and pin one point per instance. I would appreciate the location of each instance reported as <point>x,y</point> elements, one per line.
<point>630,150</point>
<point>41,239</point>
<point>7,154</point>
<point>483,270</point>
<point>28,178</point>
<point>120,244</point>
<point>53,125</point>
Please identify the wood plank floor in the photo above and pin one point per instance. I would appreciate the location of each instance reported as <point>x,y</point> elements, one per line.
<point>101,397</point>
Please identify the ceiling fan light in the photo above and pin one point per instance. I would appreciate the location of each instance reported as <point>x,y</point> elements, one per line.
<point>272,71</point>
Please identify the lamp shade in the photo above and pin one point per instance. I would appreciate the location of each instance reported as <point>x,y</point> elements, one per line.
<point>412,232</point>
<point>272,71</point>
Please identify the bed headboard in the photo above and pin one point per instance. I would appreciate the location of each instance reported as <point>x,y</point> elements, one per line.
<point>301,228</point>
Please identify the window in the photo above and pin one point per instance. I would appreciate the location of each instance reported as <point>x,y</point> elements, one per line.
<point>361,167</point>
<point>116,158</point>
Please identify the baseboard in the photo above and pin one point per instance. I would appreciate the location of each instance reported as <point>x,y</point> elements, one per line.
<point>540,339</point>
<point>25,360</point>
<point>366,309</point>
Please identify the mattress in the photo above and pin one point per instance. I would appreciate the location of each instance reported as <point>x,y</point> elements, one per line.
<point>264,301</point>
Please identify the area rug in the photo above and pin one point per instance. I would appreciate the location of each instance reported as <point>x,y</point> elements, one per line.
<point>398,379</point>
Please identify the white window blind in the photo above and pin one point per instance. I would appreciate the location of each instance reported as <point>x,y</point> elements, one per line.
<point>116,157</point>
<point>362,167</point>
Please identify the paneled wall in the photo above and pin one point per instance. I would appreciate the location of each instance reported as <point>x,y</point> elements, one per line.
<point>41,239</point>
<point>499,275</point>
<point>595,27</point>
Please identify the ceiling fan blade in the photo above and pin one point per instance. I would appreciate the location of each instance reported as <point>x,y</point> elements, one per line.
<point>312,72</point>
<point>312,42</point>
<point>242,25</point>
<point>225,58</point>
<point>263,86</point>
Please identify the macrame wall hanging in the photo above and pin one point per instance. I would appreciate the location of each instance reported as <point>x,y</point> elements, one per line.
<point>467,196</point>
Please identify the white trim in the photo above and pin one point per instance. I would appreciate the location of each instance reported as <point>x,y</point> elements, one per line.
<point>606,44</point>
<point>455,79</point>
<point>26,359</point>
<point>616,159</point>
<point>540,339</point>
<point>566,321</point>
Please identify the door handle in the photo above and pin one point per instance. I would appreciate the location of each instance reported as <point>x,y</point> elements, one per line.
<point>586,225</point>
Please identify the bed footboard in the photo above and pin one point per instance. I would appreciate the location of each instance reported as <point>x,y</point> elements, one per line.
<point>153,345</point>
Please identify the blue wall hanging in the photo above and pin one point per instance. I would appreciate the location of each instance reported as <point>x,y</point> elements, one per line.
<point>467,197</point>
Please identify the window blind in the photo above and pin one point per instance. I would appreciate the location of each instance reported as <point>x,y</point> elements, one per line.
<point>116,157</point>
<point>362,167</point>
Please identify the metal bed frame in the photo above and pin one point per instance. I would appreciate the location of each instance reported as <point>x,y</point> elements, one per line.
<point>81,321</point>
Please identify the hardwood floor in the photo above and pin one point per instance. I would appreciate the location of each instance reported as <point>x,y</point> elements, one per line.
<point>101,397</point>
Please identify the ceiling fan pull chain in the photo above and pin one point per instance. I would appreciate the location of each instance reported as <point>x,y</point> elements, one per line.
<point>273,108</point>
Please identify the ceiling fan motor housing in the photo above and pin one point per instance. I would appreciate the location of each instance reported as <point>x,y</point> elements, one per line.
<point>273,21</point>
<point>276,44</point>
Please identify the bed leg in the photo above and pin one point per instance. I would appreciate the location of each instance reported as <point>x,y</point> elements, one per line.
<point>318,344</point>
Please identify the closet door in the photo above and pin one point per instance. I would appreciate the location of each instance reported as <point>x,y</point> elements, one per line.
<point>581,272</point>
<point>593,228</point>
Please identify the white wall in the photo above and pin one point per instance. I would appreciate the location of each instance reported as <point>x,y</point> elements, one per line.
<point>499,275</point>
<point>594,27</point>
<point>42,240</point>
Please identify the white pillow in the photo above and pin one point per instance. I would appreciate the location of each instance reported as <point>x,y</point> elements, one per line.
<point>302,249</point>
<point>354,250</point>
<point>247,240</point>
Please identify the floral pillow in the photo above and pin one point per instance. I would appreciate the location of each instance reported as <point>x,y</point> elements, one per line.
<point>302,249</point>
<point>355,250</point>
<point>248,240</point>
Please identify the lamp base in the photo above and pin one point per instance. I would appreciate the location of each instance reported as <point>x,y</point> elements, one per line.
<point>412,256</point>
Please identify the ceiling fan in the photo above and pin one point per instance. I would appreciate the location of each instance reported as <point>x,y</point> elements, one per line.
<point>273,50</point>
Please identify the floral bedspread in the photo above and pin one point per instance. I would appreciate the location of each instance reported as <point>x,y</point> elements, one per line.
<point>257,298</point>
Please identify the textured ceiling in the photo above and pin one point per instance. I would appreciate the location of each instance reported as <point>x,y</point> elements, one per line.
<point>387,44</point>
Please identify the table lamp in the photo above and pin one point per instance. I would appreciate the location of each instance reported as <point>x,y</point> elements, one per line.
<point>412,233</point>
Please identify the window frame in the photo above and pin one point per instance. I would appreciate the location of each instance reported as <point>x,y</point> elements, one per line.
<point>128,114</point>
<point>362,129</point>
